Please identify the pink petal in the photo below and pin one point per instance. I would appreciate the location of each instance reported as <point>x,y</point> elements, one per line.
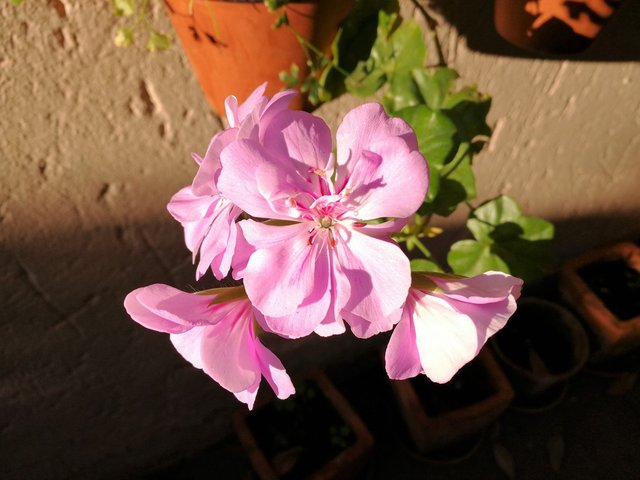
<point>450,333</point>
<point>301,137</point>
<point>402,359</point>
<point>228,350</point>
<point>185,206</point>
<point>149,319</point>
<point>188,345</point>
<point>249,395</point>
<point>236,114</point>
<point>174,305</point>
<point>238,179</point>
<point>378,275</point>
<point>204,182</point>
<point>279,102</point>
<point>387,180</point>
<point>363,126</point>
<point>273,371</point>
<point>488,287</point>
<point>281,273</point>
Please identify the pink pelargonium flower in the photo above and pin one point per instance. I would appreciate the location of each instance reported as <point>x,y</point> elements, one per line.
<point>208,218</point>
<point>215,332</point>
<point>320,262</point>
<point>446,321</point>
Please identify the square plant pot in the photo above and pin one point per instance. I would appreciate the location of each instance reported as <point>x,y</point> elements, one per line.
<point>438,416</point>
<point>313,434</point>
<point>603,286</point>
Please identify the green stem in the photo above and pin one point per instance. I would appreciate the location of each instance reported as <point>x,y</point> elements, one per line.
<point>307,45</point>
<point>425,251</point>
<point>460,156</point>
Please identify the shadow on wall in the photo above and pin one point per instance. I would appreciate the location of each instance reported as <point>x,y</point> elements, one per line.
<point>87,392</point>
<point>473,19</point>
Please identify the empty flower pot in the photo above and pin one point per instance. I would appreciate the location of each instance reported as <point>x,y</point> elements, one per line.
<point>439,416</point>
<point>552,26</point>
<point>312,434</point>
<point>603,285</point>
<point>233,48</point>
<point>540,348</point>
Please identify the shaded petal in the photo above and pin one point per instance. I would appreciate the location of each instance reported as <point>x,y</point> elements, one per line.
<point>402,359</point>
<point>379,277</point>
<point>280,274</point>
<point>488,287</point>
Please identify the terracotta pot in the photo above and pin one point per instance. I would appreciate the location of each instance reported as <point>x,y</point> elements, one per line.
<point>259,431</point>
<point>439,416</point>
<point>552,26</point>
<point>540,348</point>
<point>233,48</point>
<point>616,330</point>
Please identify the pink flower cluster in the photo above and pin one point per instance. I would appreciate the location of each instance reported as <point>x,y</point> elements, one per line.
<point>314,250</point>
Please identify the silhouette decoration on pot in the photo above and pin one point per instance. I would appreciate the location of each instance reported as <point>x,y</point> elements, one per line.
<point>541,348</point>
<point>552,26</point>
<point>603,285</point>
<point>314,434</point>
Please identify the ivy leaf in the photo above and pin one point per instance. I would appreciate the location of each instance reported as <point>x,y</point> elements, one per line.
<point>468,257</point>
<point>158,41</point>
<point>402,93</point>
<point>505,238</point>
<point>436,134</point>
<point>123,8</point>
<point>434,87</point>
<point>424,265</point>
<point>468,109</point>
<point>455,187</point>
<point>124,37</point>
<point>407,48</point>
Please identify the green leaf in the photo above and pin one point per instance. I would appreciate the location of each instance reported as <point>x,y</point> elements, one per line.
<point>468,257</point>
<point>123,8</point>
<point>15,3</point>
<point>455,188</point>
<point>407,48</point>
<point>501,231</point>
<point>158,41</point>
<point>468,109</point>
<point>434,87</point>
<point>402,93</point>
<point>424,265</point>
<point>124,37</point>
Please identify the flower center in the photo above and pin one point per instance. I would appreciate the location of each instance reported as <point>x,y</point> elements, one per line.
<point>326,221</point>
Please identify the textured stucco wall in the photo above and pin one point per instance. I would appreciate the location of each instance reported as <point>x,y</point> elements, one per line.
<point>94,141</point>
